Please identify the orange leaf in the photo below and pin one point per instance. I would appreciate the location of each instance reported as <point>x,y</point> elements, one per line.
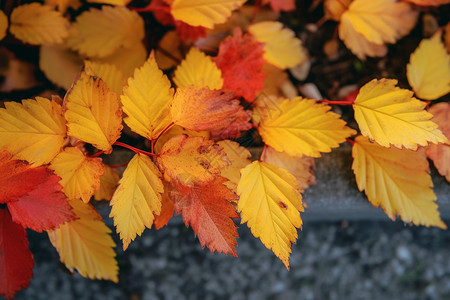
<point>241,60</point>
<point>188,160</point>
<point>205,109</point>
<point>108,184</point>
<point>167,208</point>
<point>440,153</point>
<point>429,2</point>
<point>281,5</point>
<point>206,208</point>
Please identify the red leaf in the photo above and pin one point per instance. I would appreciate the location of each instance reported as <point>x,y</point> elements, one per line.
<point>44,207</point>
<point>17,178</point>
<point>241,60</point>
<point>206,208</point>
<point>188,32</point>
<point>16,260</point>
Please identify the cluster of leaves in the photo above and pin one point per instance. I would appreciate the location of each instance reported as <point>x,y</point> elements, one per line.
<point>190,116</point>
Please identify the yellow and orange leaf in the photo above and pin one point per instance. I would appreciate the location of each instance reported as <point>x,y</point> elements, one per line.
<point>301,167</point>
<point>38,24</point>
<point>146,100</point>
<point>270,203</point>
<point>168,53</point>
<point>357,43</point>
<point>167,207</point>
<point>86,245</point>
<point>137,198</point>
<point>428,70</point>
<point>198,70</point>
<point>112,2</point>
<point>304,127</point>
<point>187,160</point>
<point>108,184</point>
<point>440,153</point>
<point>3,24</point>
<point>100,33</point>
<point>397,180</point>
<point>109,73</point>
<point>80,175</point>
<point>239,157</point>
<point>205,13</point>
<point>390,115</point>
<point>204,109</point>
<point>208,210</point>
<point>282,48</point>
<point>381,21</point>
<point>177,130</point>
<point>93,112</point>
<point>28,128</point>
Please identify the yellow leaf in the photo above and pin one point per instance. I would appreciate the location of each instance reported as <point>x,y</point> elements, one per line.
<point>301,167</point>
<point>168,53</point>
<point>108,184</point>
<point>381,21</point>
<point>428,70</point>
<point>335,8</point>
<point>390,115</point>
<point>34,131</point>
<point>204,13</point>
<point>127,59</point>
<point>85,244</point>
<point>266,107</point>
<point>239,157</point>
<point>137,198</point>
<point>93,112</point>
<point>199,70</point>
<point>109,73</point>
<point>60,65</point>
<point>358,43</point>
<point>80,175</point>
<point>146,100</point>
<point>38,24</point>
<point>62,5</point>
<point>100,33</point>
<point>282,48</point>
<point>3,24</point>
<point>304,127</point>
<point>189,160</point>
<point>270,202</point>
<point>397,180</point>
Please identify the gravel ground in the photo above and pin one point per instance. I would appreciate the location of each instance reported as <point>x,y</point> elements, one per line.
<point>332,260</point>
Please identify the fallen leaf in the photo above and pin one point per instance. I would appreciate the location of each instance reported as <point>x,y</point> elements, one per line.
<point>208,210</point>
<point>198,70</point>
<point>108,184</point>
<point>189,160</point>
<point>100,33</point>
<point>204,13</point>
<point>38,24</point>
<point>93,112</point>
<point>80,175</point>
<point>397,180</point>
<point>34,131</point>
<point>282,48</point>
<point>270,203</point>
<point>239,158</point>
<point>428,70</point>
<point>280,5</point>
<point>240,59</point>
<point>44,207</point>
<point>137,198</point>
<point>3,24</point>
<point>86,245</point>
<point>304,127</point>
<point>109,73</point>
<point>148,105</point>
<point>390,115</point>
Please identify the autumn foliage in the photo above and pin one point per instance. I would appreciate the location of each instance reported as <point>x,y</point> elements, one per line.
<point>209,81</point>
